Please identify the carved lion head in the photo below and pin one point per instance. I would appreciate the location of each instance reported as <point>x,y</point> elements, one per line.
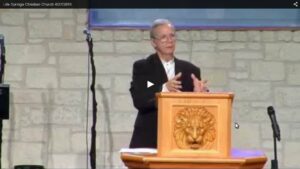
<point>194,128</point>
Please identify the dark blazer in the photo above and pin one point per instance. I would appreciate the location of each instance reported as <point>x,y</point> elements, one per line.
<point>151,69</point>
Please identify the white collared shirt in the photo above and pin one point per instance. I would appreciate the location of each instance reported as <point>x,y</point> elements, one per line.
<point>169,67</point>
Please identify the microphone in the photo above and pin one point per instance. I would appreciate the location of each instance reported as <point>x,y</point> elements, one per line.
<point>87,33</point>
<point>275,125</point>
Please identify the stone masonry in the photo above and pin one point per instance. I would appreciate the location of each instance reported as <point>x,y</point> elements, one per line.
<point>47,67</point>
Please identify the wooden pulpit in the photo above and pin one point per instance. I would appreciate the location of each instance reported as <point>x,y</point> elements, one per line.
<point>194,131</point>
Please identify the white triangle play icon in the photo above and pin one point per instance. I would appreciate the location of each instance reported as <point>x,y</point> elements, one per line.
<point>149,84</point>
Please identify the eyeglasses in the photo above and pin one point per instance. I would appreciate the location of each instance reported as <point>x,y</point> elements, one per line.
<point>165,38</point>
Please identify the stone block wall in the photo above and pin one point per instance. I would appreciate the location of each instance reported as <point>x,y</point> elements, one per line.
<point>47,67</point>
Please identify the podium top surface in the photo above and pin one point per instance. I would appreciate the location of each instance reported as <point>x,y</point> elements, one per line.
<point>229,95</point>
<point>237,156</point>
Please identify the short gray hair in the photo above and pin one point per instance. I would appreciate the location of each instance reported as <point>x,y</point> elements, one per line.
<point>158,22</point>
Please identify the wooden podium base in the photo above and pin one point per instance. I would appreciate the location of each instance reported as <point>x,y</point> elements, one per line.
<point>240,159</point>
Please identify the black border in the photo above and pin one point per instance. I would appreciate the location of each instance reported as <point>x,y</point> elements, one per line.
<point>150,4</point>
<point>194,4</point>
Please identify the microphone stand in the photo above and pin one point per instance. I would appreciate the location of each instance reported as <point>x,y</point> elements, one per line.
<point>89,41</point>
<point>274,162</point>
<point>276,135</point>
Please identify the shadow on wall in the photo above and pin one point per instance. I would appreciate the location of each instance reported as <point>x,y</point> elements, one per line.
<point>48,107</point>
<point>11,135</point>
<point>47,111</point>
<point>107,127</point>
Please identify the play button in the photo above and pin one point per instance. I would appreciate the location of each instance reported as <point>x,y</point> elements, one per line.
<point>149,84</point>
